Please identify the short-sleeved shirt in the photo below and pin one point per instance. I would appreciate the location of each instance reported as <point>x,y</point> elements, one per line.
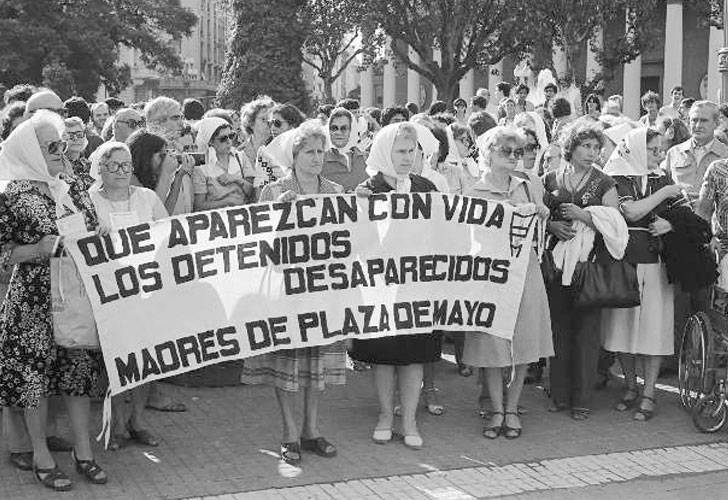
<point>142,201</point>
<point>205,178</point>
<point>590,193</point>
<point>715,189</point>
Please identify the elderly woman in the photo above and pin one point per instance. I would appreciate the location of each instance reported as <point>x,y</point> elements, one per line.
<point>577,184</point>
<point>226,177</point>
<point>33,366</point>
<point>283,117</point>
<point>463,164</point>
<point>343,162</point>
<point>126,121</point>
<point>397,360</point>
<point>644,332</point>
<point>75,136</point>
<point>99,115</point>
<point>308,369</point>
<point>501,149</point>
<point>254,121</point>
<point>119,204</point>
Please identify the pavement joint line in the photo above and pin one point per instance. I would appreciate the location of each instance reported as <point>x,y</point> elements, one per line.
<point>521,477</point>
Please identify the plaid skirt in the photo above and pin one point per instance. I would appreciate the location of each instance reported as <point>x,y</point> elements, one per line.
<point>292,369</point>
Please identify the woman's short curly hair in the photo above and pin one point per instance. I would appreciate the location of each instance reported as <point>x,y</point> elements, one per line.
<point>576,134</point>
<point>290,113</point>
<point>310,129</point>
<point>249,111</point>
<point>502,135</point>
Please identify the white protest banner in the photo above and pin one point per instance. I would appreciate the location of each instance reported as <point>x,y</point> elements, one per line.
<point>192,290</point>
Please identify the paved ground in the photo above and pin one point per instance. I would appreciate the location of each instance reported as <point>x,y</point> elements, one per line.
<point>225,445</point>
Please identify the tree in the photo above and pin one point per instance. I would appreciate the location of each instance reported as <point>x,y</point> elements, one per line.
<point>84,37</point>
<point>469,34</point>
<point>337,32</point>
<point>264,56</point>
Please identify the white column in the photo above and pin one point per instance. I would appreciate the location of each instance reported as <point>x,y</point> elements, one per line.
<point>592,66</point>
<point>467,85</point>
<point>437,57</point>
<point>631,88</point>
<point>367,87</point>
<point>493,81</point>
<point>673,47</point>
<point>413,80</point>
<point>558,56</point>
<point>714,79</point>
<point>389,83</point>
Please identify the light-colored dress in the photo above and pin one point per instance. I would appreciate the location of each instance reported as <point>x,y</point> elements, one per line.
<point>532,338</point>
<point>293,369</point>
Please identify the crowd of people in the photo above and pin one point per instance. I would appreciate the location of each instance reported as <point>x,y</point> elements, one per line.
<point>641,192</point>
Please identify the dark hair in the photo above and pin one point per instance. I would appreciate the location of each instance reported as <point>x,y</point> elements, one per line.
<point>393,111</point>
<point>479,101</point>
<point>225,114</point>
<point>651,134</point>
<point>375,113</point>
<point>576,133</point>
<point>687,102</point>
<point>77,106</point>
<point>561,107</point>
<point>504,88</point>
<point>522,86</point>
<point>593,98</point>
<point>480,122</point>
<point>290,113</point>
<point>441,137</point>
<point>325,109</point>
<point>437,107</point>
<point>444,118</point>
<point>114,104</point>
<point>723,110</point>
<point>677,87</point>
<point>11,112</point>
<point>412,108</point>
<point>650,96</point>
<point>348,103</point>
<point>459,102</point>
<point>192,109</point>
<point>530,133</point>
<point>143,145</point>
<point>551,86</point>
<point>20,92</point>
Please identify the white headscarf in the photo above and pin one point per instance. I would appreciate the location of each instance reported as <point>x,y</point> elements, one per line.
<point>98,155</point>
<point>630,156</point>
<point>353,135</point>
<point>205,130</point>
<point>466,162</point>
<point>380,155</point>
<point>21,159</point>
<point>280,150</point>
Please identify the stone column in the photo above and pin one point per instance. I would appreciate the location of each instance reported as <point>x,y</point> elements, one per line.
<point>367,87</point>
<point>493,81</point>
<point>631,88</point>
<point>467,85</point>
<point>413,80</point>
<point>592,66</point>
<point>389,82</point>
<point>714,82</point>
<point>673,47</point>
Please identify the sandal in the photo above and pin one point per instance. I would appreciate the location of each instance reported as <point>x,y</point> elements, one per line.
<point>511,432</point>
<point>291,453</point>
<point>493,431</point>
<point>627,403</point>
<point>50,478</point>
<point>90,470</point>
<point>643,414</point>
<point>22,460</point>
<point>143,437</point>
<point>320,446</point>
<point>431,404</point>
<point>580,413</point>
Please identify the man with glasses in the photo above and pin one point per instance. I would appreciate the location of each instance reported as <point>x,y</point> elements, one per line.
<point>126,122</point>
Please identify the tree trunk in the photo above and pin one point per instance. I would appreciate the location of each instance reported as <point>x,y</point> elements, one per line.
<point>447,91</point>
<point>328,90</point>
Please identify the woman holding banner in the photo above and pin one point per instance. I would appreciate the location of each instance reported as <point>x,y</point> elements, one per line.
<point>33,367</point>
<point>120,204</point>
<point>397,360</point>
<point>310,369</point>
<point>501,150</point>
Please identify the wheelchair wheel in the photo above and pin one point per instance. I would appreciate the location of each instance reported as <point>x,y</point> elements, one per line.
<point>693,359</point>
<point>710,413</point>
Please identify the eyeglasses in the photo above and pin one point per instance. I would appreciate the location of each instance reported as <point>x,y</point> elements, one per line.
<point>57,147</point>
<point>276,123</point>
<point>134,123</point>
<point>507,152</point>
<point>76,136</point>
<point>530,148</point>
<point>225,138</point>
<point>336,128</point>
<point>113,167</point>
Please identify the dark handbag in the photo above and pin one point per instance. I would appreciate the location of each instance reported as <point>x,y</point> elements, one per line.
<point>605,282</point>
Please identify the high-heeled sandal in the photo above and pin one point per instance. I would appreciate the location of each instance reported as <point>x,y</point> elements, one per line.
<point>511,432</point>
<point>50,478</point>
<point>90,470</point>
<point>494,431</point>
<point>291,453</point>
<point>626,403</point>
<point>431,404</point>
<point>643,414</point>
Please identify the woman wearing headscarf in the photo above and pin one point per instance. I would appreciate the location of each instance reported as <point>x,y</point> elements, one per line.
<point>644,332</point>
<point>225,179</point>
<point>397,360</point>
<point>120,204</point>
<point>40,193</point>
<point>536,147</point>
<point>501,148</point>
<point>343,162</point>
<point>309,369</point>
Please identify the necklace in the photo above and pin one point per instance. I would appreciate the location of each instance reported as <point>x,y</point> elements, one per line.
<point>573,188</point>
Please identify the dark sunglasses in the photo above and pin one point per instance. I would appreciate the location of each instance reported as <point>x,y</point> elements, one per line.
<point>507,152</point>
<point>276,123</point>
<point>225,138</point>
<point>336,128</point>
<point>76,136</point>
<point>132,123</point>
<point>57,147</point>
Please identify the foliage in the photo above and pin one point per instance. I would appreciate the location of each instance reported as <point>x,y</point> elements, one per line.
<point>264,55</point>
<point>469,34</point>
<point>336,31</point>
<point>58,77</point>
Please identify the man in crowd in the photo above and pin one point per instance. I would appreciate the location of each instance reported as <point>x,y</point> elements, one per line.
<point>671,110</point>
<point>99,115</point>
<point>549,91</point>
<point>651,105</point>
<point>523,105</point>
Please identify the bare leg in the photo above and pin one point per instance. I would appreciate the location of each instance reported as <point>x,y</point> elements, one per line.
<point>513,394</point>
<point>54,408</point>
<point>410,382</point>
<point>15,432</point>
<point>35,422</point>
<point>286,402</point>
<point>652,370</point>
<point>384,380</point>
<point>494,383</point>
<point>311,400</point>
<point>628,362</point>
<point>79,409</point>
<point>139,398</point>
